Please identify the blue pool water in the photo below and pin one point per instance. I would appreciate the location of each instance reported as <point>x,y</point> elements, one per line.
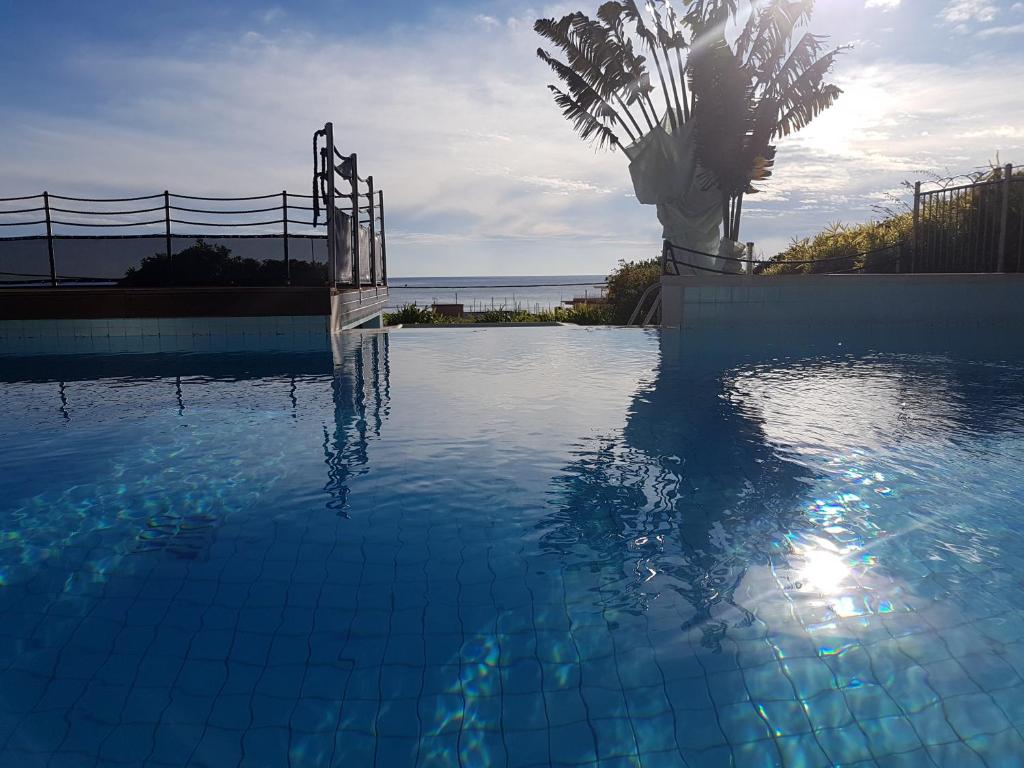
<point>520,547</point>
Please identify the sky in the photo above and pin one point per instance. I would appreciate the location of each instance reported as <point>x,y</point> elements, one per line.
<point>446,106</point>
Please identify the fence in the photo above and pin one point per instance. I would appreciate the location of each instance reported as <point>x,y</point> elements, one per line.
<point>889,258</point>
<point>152,240</point>
<point>175,239</point>
<point>976,227</point>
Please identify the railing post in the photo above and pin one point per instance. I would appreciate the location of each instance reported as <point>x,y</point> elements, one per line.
<point>750,258</point>
<point>1003,217</point>
<point>915,234</point>
<point>383,243</point>
<point>167,234</point>
<point>356,278</point>
<point>332,239</point>
<point>49,239</point>
<point>284,219</point>
<point>373,233</point>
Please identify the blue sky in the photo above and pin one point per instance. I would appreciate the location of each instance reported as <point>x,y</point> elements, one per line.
<point>446,106</point>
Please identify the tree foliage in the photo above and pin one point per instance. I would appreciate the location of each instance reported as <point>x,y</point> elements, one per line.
<point>627,283</point>
<point>203,264</point>
<point>742,95</point>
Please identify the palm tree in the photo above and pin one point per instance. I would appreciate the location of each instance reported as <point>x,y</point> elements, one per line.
<point>761,89</point>
<point>727,102</point>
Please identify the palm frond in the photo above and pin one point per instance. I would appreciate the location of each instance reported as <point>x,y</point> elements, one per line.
<point>722,117</point>
<point>583,94</point>
<point>802,55</point>
<point>585,124</point>
<point>579,54</point>
<point>769,29</point>
<point>802,112</point>
<point>667,43</point>
<point>632,13</point>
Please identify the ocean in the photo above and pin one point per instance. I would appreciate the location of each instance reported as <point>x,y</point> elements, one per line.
<point>479,293</point>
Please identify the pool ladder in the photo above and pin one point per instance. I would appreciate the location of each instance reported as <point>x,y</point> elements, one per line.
<point>654,289</point>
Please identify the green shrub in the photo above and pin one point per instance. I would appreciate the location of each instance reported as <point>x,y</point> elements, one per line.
<point>838,248</point>
<point>203,264</point>
<point>410,314</point>
<point>505,316</point>
<point>627,284</point>
<point>587,314</point>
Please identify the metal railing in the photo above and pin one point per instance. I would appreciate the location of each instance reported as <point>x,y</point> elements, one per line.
<point>60,219</point>
<point>676,258</point>
<point>88,239</point>
<point>355,219</point>
<point>974,227</point>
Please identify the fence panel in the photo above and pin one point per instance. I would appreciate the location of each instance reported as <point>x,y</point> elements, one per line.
<point>24,262</point>
<point>977,227</point>
<point>252,240</point>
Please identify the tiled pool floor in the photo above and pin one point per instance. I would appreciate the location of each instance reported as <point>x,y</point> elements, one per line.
<point>521,547</point>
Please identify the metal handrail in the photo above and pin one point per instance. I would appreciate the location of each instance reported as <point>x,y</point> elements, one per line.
<point>643,298</point>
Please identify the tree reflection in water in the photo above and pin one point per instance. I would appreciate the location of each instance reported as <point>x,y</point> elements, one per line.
<point>685,499</point>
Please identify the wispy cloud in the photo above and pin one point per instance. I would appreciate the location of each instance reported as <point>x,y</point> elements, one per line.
<point>961,11</point>
<point>481,172</point>
<point>1013,29</point>
<point>885,5</point>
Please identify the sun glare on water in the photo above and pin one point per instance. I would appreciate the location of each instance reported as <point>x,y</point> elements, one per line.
<point>823,571</point>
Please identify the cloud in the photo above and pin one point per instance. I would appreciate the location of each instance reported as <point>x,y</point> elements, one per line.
<point>885,5</point>
<point>961,11</point>
<point>457,128</point>
<point>895,122</point>
<point>480,171</point>
<point>1013,29</point>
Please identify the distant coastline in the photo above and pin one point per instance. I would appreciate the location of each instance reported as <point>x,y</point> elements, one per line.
<point>528,292</point>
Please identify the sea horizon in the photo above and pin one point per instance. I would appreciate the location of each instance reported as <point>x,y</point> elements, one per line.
<point>480,292</point>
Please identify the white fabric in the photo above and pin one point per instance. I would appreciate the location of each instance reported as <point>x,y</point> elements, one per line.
<point>344,239</point>
<point>665,174</point>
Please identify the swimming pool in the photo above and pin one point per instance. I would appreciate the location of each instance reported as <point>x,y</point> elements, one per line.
<point>522,547</point>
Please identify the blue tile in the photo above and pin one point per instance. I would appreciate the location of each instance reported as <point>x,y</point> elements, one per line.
<point>130,743</point>
<point>39,733</point>
<point>174,743</point>
<point>975,714</point>
<point>398,718</point>
<point>271,711</point>
<point>86,736</point>
<point>266,746</point>
<point>698,729</point>
<point>572,744</point>
<point>890,735</point>
<point>844,745</point>
<point>219,747</point>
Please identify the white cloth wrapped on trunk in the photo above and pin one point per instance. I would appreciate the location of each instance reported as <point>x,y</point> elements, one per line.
<point>665,173</point>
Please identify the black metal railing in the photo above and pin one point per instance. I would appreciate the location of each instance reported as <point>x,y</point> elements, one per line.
<point>77,230</point>
<point>168,238</point>
<point>356,243</point>
<point>675,259</point>
<point>974,227</point>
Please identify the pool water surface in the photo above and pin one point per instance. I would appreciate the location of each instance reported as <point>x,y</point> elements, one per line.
<point>515,547</point>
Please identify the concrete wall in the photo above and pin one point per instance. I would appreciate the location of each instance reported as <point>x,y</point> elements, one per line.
<point>352,308</point>
<point>150,334</point>
<point>68,303</point>
<point>720,301</point>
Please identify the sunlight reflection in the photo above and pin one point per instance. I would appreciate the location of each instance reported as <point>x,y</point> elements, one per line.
<point>823,570</point>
